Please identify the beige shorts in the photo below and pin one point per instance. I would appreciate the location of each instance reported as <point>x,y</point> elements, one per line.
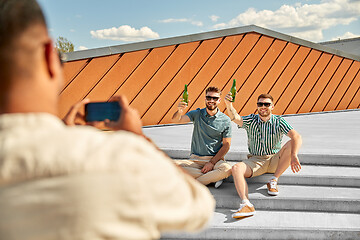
<point>262,164</point>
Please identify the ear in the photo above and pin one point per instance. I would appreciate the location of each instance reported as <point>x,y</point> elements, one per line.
<point>50,58</point>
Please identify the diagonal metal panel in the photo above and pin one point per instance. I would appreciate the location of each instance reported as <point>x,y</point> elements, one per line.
<point>331,86</point>
<point>275,71</point>
<point>72,69</point>
<point>286,77</point>
<point>149,94</point>
<point>301,76</point>
<point>351,91</point>
<point>144,72</point>
<point>209,75</point>
<point>187,73</point>
<point>85,81</point>
<point>342,87</point>
<point>297,81</point>
<point>117,75</point>
<point>320,85</point>
<point>313,78</point>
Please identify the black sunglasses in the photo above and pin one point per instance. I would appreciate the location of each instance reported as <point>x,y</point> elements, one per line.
<point>208,98</point>
<point>266,104</point>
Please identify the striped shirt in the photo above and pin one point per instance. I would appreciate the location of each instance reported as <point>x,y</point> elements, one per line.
<point>264,138</point>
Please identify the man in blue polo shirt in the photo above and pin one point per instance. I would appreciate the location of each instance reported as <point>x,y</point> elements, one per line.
<point>265,132</point>
<point>211,140</point>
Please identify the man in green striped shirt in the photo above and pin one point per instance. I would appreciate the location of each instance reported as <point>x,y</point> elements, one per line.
<point>265,132</point>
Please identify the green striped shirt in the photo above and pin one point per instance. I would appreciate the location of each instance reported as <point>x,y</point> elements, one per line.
<point>264,138</point>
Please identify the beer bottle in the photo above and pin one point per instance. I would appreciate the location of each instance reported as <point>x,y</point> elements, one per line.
<point>185,95</point>
<point>233,90</point>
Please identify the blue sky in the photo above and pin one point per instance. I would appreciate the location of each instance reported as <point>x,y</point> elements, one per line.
<point>92,24</point>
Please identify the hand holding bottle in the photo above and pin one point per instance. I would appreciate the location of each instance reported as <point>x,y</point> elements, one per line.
<point>182,106</point>
<point>228,98</point>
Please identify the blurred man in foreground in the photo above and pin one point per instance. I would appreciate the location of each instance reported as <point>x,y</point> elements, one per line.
<point>76,182</point>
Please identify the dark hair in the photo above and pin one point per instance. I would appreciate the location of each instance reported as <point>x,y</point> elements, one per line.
<point>16,16</point>
<point>266,95</point>
<point>213,89</point>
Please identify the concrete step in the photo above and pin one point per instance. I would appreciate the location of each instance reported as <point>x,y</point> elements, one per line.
<point>278,225</point>
<point>305,158</point>
<point>314,176</point>
<point>292,198</point>
<point>310,159</point>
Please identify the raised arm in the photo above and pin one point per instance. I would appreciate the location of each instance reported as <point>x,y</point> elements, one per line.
<point>234,116</point>
<point>178,116</point>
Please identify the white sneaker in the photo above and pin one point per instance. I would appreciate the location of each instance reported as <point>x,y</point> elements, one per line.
<point>272,187</point>
<point>244,211</point>
<point>218,183</point>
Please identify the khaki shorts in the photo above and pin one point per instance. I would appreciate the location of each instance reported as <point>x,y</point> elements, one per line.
<point>262,164</point>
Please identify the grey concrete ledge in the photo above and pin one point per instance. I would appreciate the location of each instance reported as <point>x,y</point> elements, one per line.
<point>277,225</point>
<point>305,158</point>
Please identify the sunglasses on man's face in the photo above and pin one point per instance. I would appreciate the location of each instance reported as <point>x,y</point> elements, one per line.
<point>208,98</point>
<point>266,104</point>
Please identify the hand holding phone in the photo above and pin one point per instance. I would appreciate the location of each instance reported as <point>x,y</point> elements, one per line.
<point>100,111</point>
<point>119,114</point>
<point>75,116</point>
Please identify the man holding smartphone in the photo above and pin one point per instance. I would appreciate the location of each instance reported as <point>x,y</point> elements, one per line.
<point>211,140</point>
<point>265,132</point>
<point>76,182</point>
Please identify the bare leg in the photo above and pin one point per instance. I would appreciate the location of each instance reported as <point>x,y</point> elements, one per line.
<point>284,160</point>
<point>241,171</point>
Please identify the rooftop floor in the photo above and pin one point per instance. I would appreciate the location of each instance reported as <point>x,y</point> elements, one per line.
<point>329,133</point>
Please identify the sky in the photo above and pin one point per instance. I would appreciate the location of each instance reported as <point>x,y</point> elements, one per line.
<point>90,24</point>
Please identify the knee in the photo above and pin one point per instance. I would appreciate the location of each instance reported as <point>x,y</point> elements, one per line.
<point>286,149</point>
<point>225,167</point>
<point>287,146</point>
<point>239,168</point>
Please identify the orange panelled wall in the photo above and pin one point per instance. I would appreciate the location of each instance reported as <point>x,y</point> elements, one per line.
<point>116,77</point>
<point>301,79</point>
<point>85,81</point>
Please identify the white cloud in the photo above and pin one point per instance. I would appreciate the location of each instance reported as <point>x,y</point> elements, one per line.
<point>125,33</point>
<point>346,35</point>
<point>302,20</point>
<point>173,20</point>
<point>214,18</point>
<point>82,48</point>
<point>187,20</point>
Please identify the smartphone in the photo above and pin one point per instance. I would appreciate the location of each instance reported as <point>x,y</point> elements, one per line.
<point>99,111</point>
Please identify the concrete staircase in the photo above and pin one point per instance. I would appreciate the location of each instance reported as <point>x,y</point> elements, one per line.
<point>320,202</point>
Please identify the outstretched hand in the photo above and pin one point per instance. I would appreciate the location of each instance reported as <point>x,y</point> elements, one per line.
<point>295,164</point>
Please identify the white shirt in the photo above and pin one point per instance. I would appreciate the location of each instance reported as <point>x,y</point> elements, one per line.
<point>60,182</point>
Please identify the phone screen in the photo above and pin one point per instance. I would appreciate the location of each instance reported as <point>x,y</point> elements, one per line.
<point>99,111</point>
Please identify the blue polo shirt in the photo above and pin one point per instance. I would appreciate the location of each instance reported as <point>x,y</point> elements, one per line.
<point>208,131</point>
